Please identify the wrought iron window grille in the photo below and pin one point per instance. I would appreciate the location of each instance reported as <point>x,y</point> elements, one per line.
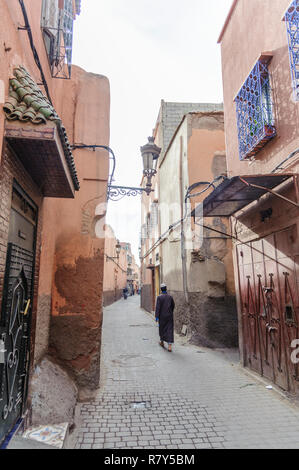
<point>143,234</point>
<point>254,109</point>
<point>57,27</point>
<point>292,24</point>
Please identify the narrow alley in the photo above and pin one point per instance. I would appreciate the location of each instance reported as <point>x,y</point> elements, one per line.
<point>191,398</point>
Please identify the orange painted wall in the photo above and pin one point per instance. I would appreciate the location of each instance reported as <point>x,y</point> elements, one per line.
<point>115,271</point>
<point>71,271</point>
<point>204,145</point>
<point>256,26</point>
<point>77,283</point>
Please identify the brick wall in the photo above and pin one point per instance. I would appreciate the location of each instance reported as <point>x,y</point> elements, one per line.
<point>111,296</point>
<point>147,297</point>
<point>172,114</point>
<point>11,168</point>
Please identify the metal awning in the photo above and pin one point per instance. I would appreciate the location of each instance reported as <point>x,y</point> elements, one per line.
<point>237,192</point>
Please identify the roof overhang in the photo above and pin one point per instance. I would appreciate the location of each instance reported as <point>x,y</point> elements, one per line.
<point>235,193</point>
<point>40,150</point>
<point>228,18</point>
<point>150,266</point>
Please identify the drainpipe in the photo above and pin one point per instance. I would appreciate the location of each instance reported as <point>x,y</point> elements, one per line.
<point>183,249</point>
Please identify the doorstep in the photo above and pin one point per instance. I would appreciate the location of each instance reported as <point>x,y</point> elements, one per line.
<point>50,436</point>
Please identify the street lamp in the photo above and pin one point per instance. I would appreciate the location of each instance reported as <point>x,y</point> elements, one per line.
<point>150,153</point>
<point>117,249</point>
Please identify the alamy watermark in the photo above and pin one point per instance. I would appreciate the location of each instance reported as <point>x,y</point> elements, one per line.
<point>295,353</point>
<point>173,221</point>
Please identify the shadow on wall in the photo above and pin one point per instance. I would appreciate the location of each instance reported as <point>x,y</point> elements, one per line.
<point>75,334</point>
<point>285,110</point>
<point>211,322</point>
<point>146,299</point>
<point>109,297</point>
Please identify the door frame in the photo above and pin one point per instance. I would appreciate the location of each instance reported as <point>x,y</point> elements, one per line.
<point>16,187</point>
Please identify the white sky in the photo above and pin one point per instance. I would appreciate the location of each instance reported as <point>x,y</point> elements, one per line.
<point>149,50</point>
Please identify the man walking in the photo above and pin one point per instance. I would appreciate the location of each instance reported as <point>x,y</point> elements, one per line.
<point>164,315</point>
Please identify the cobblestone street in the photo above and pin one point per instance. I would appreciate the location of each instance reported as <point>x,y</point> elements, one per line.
<point>190,398</point>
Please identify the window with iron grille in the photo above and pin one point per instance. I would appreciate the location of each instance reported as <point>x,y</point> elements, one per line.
<point>49,24</point>
<point>57,26</point>
<point>255,111</point>
<point>68,20</point>
<point>143,234</point>
<point>148,225</point>
<point>154,214</point>
<point>292,23</point>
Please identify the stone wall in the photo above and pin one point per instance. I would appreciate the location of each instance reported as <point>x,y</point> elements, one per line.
<point>172,114</point>
<point>53,395</point>
<point>211,322</point>
<point>146,297</point>
<point>75,334</point>
<point>109,297</point>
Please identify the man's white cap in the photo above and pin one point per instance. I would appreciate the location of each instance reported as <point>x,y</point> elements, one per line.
<point>163,285</point>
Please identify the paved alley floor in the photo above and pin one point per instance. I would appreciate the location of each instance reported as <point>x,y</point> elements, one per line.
<point>191,398</point>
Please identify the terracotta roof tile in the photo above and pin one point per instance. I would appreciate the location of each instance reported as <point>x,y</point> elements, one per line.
<point>27,103</point>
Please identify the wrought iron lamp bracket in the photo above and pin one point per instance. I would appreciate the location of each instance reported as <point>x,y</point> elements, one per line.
<point>115,193</point>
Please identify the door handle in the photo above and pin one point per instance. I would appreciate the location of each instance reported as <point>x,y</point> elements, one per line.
<point>27,307</point>
<point>2,351</point>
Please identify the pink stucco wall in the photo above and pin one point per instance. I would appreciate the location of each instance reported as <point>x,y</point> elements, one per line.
<point>77,283</point>
<point>71,270</point>
<point>115,270</point>
<point>254,27</point>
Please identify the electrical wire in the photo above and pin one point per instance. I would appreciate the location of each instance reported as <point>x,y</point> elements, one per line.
<point>106,147</point>
<point>34,51</point>
<point>278,167</point>
<point>162,238</point>
<point>109,257</point>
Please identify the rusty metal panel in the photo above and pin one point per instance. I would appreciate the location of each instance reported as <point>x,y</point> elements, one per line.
<point>269,277</point>
<point>233,194</point>
<point>249,313</point>
<point>275,325</point>
<point>285,244</point>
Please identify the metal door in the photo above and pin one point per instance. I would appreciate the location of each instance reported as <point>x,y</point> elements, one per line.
<point>274,328</point>
<point>286,243</point>
<point>269,299</point>
<point>252,347</point>
<point>15,317</point>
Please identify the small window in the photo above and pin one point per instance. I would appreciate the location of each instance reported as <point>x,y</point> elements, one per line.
<point>143,234</point>
<point>49,41</point>
<point>154,214</point>
<point>57,26</point>
<point>148,225</point>
<point>289,313</point>
<point>255,111</point>
<point>292,23</point>
<point>68,20</point>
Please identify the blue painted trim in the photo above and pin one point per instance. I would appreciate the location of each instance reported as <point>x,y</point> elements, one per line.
<point>9,436</point>
<point>254,109</point>
<point>292,24</point>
